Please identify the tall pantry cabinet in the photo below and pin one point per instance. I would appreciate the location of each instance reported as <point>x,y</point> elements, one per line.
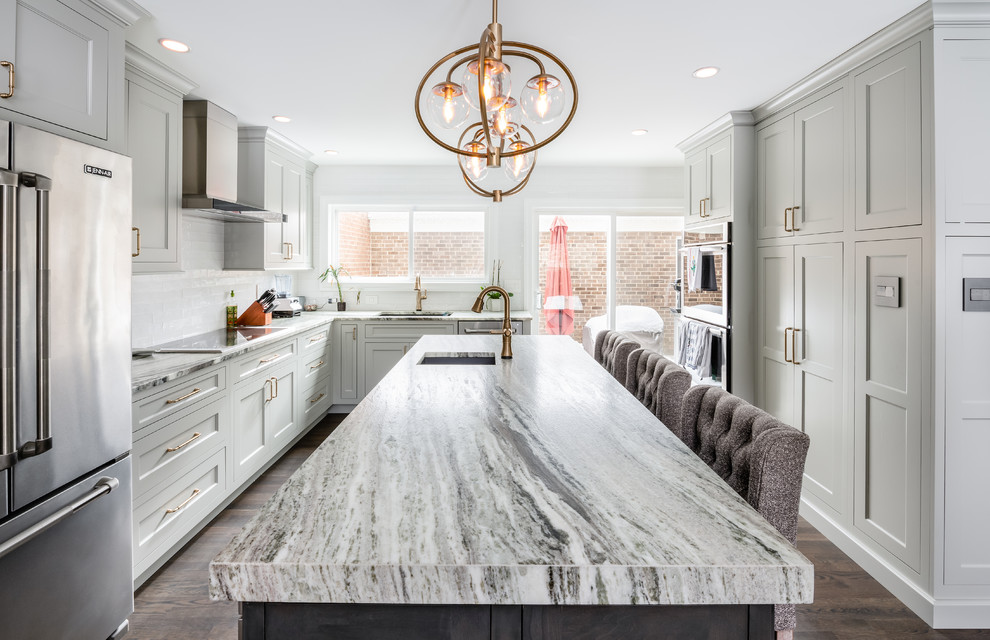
<point>873,301</point>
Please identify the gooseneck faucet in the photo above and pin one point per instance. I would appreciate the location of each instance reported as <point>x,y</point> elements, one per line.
<point>420,294</point>
<point>506,326</point>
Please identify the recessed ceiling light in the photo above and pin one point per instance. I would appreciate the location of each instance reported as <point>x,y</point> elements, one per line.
<point>281,118</point>
<point>705,72</point>
<point>639,132</point>
<point>174,45</point>
<point>330,152</point>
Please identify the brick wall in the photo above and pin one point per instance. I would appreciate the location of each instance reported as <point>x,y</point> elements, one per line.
<point>386,254</point>
<point>354,242</point>
<point>458,254</point>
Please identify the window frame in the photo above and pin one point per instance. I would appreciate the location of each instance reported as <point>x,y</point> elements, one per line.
<point>329,249</point>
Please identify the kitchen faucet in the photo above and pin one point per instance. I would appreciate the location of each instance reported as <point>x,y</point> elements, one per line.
<point>420,294</point>
<point>506,330</point>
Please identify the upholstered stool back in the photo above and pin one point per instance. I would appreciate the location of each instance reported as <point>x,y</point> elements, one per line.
<point>659,384</point>
<point>612,351</point>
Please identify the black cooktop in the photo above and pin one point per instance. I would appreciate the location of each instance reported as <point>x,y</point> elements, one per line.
<point>221,338</point>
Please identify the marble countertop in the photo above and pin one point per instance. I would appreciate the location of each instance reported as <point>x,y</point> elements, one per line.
<point>536,480</point>
<point>157,369</point>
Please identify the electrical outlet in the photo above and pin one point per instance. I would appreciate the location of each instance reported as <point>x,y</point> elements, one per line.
<point>371,299</point>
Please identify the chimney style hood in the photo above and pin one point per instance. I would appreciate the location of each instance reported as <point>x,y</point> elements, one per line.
<point>209,165</point>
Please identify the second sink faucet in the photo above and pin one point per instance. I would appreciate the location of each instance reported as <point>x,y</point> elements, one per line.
<point>420,294</point>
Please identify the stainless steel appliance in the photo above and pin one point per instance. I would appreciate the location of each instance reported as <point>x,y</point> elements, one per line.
<point>65,468</point>
<point>287,307</point>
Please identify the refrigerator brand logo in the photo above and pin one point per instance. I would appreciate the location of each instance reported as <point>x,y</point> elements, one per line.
<point>96,171</point>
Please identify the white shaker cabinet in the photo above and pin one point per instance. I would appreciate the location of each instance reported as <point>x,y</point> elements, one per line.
<point>801,168</point>
<point>799,375</point>
<point>264,418</point>
<point>345,370</point>
<point>708,174</point>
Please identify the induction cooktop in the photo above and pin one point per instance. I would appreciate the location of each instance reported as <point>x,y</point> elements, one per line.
<point>212,341</point>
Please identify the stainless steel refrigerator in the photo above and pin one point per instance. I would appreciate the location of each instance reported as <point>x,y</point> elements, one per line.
<point>65,468</point>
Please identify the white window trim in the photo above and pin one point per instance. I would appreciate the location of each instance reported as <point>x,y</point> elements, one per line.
<point>326,221</point>
<point>588,207</point>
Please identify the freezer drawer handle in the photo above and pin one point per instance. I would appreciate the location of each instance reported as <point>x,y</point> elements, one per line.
<point>185,397</point>
<point>8,315</point>
<point>42,186</point>
<point>184,502</point>
<point>10,78</point>
<point>485,331</point>
<point>103,486</point>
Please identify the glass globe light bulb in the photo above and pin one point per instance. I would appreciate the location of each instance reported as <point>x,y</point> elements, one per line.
<point>447,105</point>
<point>475,167</point>
<point>542,99</point>
<point>496,83</point>
<point>501,121</point>
<point>516,167</point>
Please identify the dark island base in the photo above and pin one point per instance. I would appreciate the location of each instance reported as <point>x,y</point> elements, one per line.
<point>284,621</point>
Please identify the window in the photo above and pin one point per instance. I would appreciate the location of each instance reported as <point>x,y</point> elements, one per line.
<point>395,245</point>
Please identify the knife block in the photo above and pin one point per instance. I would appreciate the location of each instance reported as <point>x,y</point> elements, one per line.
<point>255,316</point>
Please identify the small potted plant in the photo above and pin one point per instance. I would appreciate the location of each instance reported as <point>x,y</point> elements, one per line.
<point>490,302</point>
<point>335,273</point>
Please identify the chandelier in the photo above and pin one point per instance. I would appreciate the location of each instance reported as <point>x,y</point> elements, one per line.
<point>478,83</point>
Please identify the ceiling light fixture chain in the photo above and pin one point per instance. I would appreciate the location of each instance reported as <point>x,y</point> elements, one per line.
<point>499,134</point>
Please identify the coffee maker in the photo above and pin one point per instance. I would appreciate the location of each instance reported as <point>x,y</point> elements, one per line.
<point>286,305</point>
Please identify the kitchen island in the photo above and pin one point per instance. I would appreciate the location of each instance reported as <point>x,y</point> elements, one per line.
<point>531,498</point>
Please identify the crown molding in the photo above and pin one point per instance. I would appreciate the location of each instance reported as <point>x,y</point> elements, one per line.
<point>270,136</point>
<point>141,62</point>
<point>970,13</point>
<point>723,124</point>
<point>910,25</point>
<point>123,12</point>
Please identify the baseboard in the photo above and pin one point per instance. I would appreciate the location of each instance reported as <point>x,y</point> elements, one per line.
<point>901,586</point>
<point>962,614</point>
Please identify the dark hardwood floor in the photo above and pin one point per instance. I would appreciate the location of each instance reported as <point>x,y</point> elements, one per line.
<point>175,604</point>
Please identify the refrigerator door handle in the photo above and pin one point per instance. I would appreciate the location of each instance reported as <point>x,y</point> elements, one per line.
<point>103,486</point>
<point>8,315</point>
<point>42,186</point>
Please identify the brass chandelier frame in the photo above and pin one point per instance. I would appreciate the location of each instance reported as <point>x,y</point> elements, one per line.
<point>491,47</point>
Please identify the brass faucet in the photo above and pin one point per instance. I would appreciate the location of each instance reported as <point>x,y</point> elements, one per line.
<point>506,330</point>
<point>420,294</point>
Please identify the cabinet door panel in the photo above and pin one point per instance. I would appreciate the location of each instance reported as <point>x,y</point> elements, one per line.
<point>275,251</point>
<point>820,158</point>
<point>888,425</point>
<point>379,358</point>
<point>719,194</point>
<point>963,148</point>
<point>293,186</point>
<point>8,24</point>
<point>696,174</point>
<point>775,177</point>
<point>250,402</point>
<point>282,422</point>
<point>346,371</point>
<point>819,316</point>
<point>62,70</point>
<point>775,294</point>
<point>888,142</point>
<point>153,144</point>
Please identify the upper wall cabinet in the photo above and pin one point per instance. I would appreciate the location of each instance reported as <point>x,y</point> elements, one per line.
<point>63,66</point>
<point>274,173</point>
<point>889,142</point>
<point>801,168</point>
<point>154,118</point>
<point>709,181</point>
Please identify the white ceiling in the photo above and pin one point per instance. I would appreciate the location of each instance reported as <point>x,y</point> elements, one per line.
<point>347,72</point>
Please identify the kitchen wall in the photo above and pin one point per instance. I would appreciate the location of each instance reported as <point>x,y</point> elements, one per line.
<point>171,306</point>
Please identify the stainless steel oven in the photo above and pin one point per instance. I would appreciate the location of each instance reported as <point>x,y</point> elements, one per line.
<point>705,257</point>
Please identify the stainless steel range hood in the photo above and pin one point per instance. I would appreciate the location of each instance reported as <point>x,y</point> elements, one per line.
<point>209,165</point>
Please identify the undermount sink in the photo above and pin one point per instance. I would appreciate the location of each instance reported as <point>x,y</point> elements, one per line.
<point>458,358</point>
<point>403,314</point>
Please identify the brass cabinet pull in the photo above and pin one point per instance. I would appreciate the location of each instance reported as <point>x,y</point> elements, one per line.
<point>271,395</point>
<point>185,397</point>
<point>701,204</point>
<point>317,365</point>
<point>704,207</point>
<point>794,359</point>
<point>786,359</point>
<point>405,349</point>
<point>10,78</point>
<point>276,386</point>
<point>176,448</point>
<point>317,398</point>
<point>785,219</point>
<point>267,360</point>
<point>291,249</point>
<point>184,502</point>
<point>794,226</point>
<point>322,336</point>
<point>355,332</point>
<point>138,246</point>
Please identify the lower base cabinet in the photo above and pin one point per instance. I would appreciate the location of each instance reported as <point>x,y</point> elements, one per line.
<point>198,443</point>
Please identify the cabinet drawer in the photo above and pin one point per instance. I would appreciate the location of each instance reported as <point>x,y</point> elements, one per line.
<point>183,393</point>
<point>315,342</point>
<point>315,368</point>
<point>263,359</point>
<point>316,400</point>
<point>178,506</point>
<point>407,330</point>
<point>180,444</point>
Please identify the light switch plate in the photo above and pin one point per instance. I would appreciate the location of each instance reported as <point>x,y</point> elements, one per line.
<point>976,294</point>
<point>887,291</point>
